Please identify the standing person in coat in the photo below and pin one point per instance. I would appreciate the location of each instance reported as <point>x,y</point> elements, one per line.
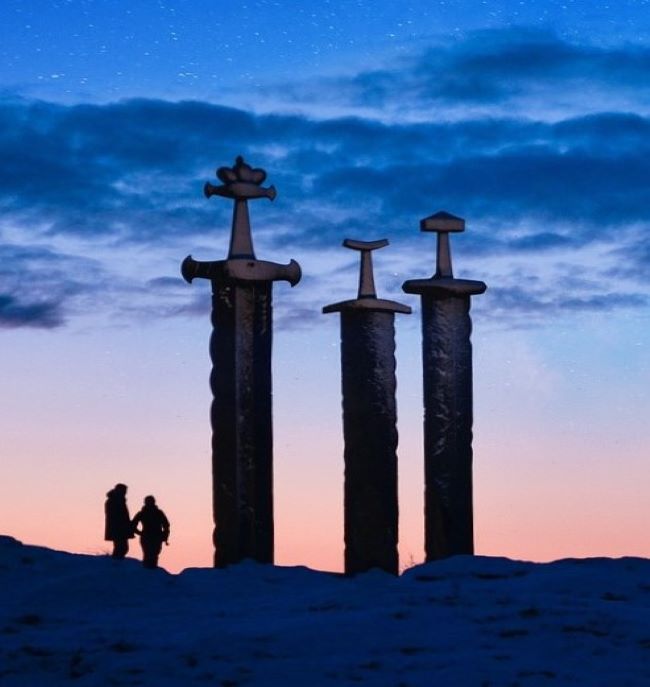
<point>118,522</point>
<point>154,530</point>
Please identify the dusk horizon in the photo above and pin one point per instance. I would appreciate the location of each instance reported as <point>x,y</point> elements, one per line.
<point>530,120</point>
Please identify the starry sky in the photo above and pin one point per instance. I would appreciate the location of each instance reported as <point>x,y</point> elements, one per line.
<point>529,119</point>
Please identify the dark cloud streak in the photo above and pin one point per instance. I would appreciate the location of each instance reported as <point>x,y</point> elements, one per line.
<point>40,287</point>
<point>132,172</point>
<point>15,314</point>
<point>497,67</point>
<point>140,175</point>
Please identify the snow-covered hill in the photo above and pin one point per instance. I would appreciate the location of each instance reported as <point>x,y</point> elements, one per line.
<point>88,620</point>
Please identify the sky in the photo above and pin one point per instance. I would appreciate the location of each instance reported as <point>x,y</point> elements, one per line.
<point>529,119</point>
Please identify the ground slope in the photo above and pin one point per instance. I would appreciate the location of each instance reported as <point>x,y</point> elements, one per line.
<point>89,620</point>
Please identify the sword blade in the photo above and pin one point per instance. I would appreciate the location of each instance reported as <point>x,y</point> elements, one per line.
<point>241,416</point>
<point>370,434</point>
<point>448,417</point>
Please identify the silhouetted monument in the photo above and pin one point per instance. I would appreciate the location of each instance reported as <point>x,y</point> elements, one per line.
<point>240,348</point>
<point>369,421</point>
<point>447,361</point>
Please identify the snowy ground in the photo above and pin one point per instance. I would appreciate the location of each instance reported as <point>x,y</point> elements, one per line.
<point>89,620</point>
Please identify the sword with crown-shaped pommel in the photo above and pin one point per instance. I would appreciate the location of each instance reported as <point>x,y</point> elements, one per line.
<point>240,349</point>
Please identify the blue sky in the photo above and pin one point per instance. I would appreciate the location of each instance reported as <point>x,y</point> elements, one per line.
<point>529,119</point>
<point>103,50</point>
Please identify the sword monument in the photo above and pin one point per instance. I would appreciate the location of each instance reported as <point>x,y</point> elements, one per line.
<point>447,361</point>
<point>369,421</point>
<point>240,349</point>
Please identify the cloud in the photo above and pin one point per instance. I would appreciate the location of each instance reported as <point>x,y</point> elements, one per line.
<point>40,287</point>
<point>526,307</point>
<point>543,185</point>
<point>166,283</point>
<point>14,314</point>
<point>105,180</point>
<point>630,260</point>
<point>300,318</point>
<point>496,65</point>
<point>518,69</point>
<point>134,170</point>
<point>540,242</point>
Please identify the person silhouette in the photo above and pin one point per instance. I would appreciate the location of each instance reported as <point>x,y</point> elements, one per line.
<point>118,522</point>
<point>154,530</point>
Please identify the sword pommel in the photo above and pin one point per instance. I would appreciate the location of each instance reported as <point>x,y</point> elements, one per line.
<point>365,245</point>
<point>443,223</point>
<point>240,182</point>
<point>366,277</point>
<point>241,172</point>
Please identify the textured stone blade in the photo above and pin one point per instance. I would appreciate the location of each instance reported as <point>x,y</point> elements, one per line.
<point>241,416</point>
<point>370,433</point>
<point>447,360</point>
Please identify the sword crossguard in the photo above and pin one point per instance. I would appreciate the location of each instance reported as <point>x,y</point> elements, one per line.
<point>240,270</point>
<point>366,276</point>
<point>443,223</point>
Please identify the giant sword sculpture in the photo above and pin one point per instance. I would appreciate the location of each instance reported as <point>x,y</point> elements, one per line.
<point>240,349</point>
<point>447,361</point>
<point>369,421</point>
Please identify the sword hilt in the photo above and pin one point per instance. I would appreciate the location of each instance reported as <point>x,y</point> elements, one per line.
<point>366,300</point>
<point>241,183</point>
<point>443,223</point>
<point>366,276</point>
